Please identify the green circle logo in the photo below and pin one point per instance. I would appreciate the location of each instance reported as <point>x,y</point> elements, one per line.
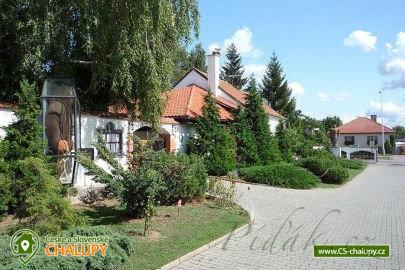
<point>25,244</point>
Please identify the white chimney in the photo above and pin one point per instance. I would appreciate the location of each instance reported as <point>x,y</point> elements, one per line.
<point>213,72</point>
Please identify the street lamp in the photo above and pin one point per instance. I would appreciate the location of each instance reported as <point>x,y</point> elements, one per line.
<point>382,124</point>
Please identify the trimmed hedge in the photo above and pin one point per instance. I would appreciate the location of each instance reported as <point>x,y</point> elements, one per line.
<point>351,163</point>
<point>330,171</point>
<point>281,174</point>
<point>117,254</point>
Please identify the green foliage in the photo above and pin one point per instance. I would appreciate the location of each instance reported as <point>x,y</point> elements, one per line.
<point>42,207</point>
<point>153,177</point>
<point>117,51</point>
<point>246,148</point>
<point>23,137</point>
<point>288,142</point>
<point>28,186</point>
<point>134,187</point>
<point>222,192</point>
<point>399,132</point>
<point>330,122</point>
<point>280,174</point>
<point>388,147</point>
<point>232,71</point>
<point>212,140</point>
<point>276,92</point>
<point>185,177</point>
<point>184,61</point>
<point>118,252</point>
<point>258,120</point>
<point>328,170</point>
<point>351,163</point>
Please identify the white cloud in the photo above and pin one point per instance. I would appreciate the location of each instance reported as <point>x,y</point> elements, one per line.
<point>297,89</point>
<point>394,63</point>
<point>323,97</point>
<point>362,39</point>
<point>342,96</point>
<point>243,42</point>
<point>256,69</point>
<point>393,114</point>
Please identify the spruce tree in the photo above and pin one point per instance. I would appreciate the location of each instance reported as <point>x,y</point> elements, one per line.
<point>233,70</point>
<point>276,92</point>
<point>246,147</point>
<point>212,140</point>
<point>287,141</point>
<point>28,186</point>
<point>267,144</point>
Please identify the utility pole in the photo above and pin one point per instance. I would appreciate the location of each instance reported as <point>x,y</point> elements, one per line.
<point>382,124</point>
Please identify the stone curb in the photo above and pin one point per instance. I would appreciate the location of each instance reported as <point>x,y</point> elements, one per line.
<point>197,251</point>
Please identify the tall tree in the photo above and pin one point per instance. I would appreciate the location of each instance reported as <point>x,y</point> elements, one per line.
<point>119,52</point>
<point>246,147</point>
<point>213,141</point>
<point>184,61</point>
<point>276,92</point>
<point>232,71</point>
<point>259,124</point>
<point>330,122</point>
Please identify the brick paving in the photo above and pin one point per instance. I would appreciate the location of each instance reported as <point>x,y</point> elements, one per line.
<point>368,210</point>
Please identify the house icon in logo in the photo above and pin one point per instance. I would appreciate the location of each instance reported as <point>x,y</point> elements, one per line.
<point>25,243</point>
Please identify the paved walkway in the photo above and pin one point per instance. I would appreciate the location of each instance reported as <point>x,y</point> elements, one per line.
<point>368,210</point>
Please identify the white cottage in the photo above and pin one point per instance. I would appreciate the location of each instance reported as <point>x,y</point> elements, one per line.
<point>183,105</point>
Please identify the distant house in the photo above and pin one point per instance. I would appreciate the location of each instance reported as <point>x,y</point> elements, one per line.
<point>363,132</point>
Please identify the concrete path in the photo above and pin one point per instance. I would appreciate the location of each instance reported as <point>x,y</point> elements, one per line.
<point>368,210</point>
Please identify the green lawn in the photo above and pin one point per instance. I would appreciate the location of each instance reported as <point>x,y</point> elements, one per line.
<point>172,235</point>
<point>352,174</point>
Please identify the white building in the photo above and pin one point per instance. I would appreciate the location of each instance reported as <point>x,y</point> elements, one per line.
<point>361,138</point>
<point>183,106</point>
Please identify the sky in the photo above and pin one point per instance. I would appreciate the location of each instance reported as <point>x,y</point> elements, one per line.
<point>336,55</point>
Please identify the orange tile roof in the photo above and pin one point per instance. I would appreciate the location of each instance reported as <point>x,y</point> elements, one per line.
<point>363,125</point>
<point>240,95</point>
<point>187,102</point>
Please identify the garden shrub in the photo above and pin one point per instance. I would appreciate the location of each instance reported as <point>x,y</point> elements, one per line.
<point>280,174</point>
<point>222,192</point>
<point>154,176</point>
<point>185,177</point>
<point>328,170</point>
<point>44,209</point>
<point>351,163</point>
<point>118,252</point>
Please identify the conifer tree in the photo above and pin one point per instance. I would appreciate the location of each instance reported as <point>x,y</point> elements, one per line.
<point>246,147</point>
<point>28,186</point>
<point>267,144</point>
<point>276,92</point>
<point>212,140</point>
<point>232,71</point>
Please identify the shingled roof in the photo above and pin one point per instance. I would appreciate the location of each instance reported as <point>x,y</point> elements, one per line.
<point>187,102</point>
<point>237,94</point>
<point>362,125</point>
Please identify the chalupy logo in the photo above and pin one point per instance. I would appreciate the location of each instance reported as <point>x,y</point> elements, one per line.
<point>25,244</point>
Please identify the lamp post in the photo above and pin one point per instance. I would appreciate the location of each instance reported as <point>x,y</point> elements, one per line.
<point>382,124</point>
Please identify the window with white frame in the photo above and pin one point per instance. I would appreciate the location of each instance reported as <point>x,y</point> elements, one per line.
<point>112,137</point>
<point>372,138</point>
